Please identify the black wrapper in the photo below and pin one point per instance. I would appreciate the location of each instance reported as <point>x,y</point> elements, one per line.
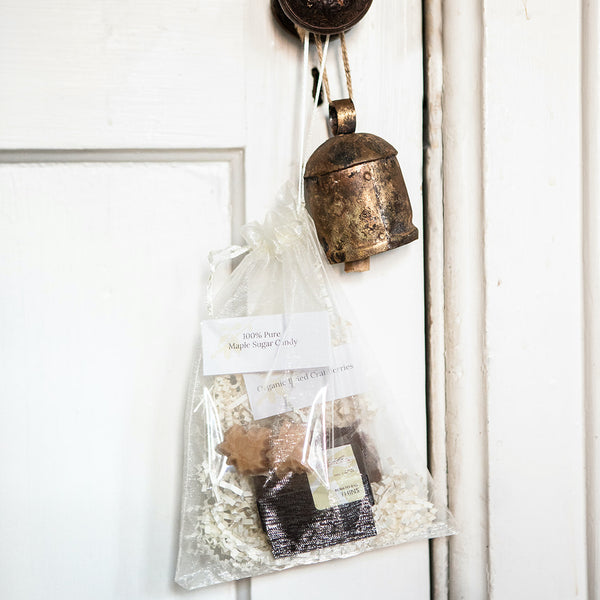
<point>294,525</point>
<point>290,519</point>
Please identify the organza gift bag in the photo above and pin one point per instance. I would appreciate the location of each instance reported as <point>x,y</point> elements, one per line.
<point>290,458</point>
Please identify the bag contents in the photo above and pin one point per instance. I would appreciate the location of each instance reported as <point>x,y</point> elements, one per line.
<point>290,458</point>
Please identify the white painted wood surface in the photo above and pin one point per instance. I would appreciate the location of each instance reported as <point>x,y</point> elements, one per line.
<point>534,312</point>
<point>109,74</point>
<point>433,204</point>
<point>464,298</point>
<point>101,290</point>
<point>103,268</point>
<point>591,274</point>
<point>520,269</point>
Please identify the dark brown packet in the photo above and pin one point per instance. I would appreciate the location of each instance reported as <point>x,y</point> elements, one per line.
<point>292,522</point>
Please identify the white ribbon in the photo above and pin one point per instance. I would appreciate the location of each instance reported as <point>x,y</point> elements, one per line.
<point>304,135</point>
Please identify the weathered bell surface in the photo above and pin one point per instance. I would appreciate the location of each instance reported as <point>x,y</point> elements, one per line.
<point>355,193</point>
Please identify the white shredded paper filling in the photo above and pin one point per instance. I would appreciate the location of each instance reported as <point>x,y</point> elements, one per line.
<point>223,536</point>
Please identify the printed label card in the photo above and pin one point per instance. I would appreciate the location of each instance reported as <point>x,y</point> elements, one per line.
<point>279,392</point>
<point>265,343</point>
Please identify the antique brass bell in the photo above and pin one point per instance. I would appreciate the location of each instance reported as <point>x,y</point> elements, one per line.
<point>355,193</point>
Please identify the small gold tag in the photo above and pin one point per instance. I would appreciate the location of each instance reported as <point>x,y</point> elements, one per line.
<point>345,481</point>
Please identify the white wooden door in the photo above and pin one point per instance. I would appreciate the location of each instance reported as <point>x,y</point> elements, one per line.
<point>135,137</point>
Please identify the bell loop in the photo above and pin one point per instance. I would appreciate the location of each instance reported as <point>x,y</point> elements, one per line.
<point>342,116</point>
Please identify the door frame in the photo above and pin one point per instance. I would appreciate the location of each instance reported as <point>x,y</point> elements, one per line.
<point>460,387</point>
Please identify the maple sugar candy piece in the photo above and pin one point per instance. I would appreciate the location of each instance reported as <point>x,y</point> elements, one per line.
<point>285,454</point>
<point>246,449</point>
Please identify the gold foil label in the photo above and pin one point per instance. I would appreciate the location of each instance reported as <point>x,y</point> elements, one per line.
<point>345,481</point>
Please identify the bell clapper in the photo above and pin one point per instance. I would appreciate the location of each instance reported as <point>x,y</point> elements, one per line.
<point>357,266</point>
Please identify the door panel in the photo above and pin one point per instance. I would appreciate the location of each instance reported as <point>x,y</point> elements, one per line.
<point>122,74</point>
<point>534,301</point>
<point>102,291</point>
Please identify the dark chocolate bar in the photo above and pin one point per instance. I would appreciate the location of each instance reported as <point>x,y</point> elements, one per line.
<point>294,525</point>
<point>292,522</point>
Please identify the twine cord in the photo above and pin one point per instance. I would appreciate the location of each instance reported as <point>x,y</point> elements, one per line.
<point>346,65</point>
<point>346,60</point>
